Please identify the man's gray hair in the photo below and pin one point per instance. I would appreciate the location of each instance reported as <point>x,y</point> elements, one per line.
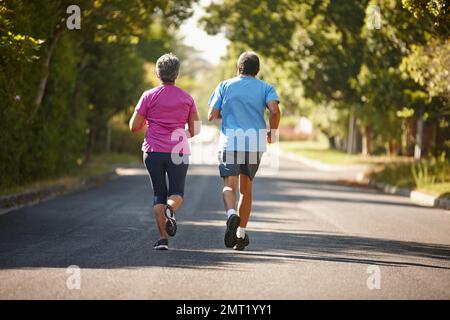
<point>167,67</point>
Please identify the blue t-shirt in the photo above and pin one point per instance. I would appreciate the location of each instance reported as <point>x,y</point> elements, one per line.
<point>242,101</point>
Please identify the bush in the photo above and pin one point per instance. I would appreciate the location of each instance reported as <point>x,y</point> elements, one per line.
<point>122,140</point>
<point>435,170</point>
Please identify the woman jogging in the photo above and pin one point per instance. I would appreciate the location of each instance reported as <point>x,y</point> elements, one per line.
<point>166,110</point>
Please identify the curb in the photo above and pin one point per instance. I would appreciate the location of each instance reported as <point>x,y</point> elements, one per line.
<point>424,199</point>
<point>404,192</point>
<point>429,200</point>
<point>417,197</point>
<point>444,204</point>
<point>18,200</point>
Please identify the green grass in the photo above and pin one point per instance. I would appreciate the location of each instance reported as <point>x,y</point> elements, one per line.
<point>394,174</point>
<point>312,152</point>
<point>99,164</point>
<point>439,189</point>
<point>317,150</point>
<point>320,151</point>
<point>430,176</point>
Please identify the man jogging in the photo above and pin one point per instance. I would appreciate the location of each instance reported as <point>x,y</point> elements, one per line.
<point>241,102</point>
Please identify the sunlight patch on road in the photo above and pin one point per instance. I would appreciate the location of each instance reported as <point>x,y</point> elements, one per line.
<point>202,170</point>
<point>209,223</point>
<point>274,204</point>
<point>131,172</point>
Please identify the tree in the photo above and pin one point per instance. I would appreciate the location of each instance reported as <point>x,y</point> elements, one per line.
<point>331,52</point>
<point>429,66</point>
<point>318,42</point>
<point>435,13</point>
<point>57,83</point>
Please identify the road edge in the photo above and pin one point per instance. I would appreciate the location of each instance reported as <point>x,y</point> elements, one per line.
<point>18,200</point>
<point>416,196</point>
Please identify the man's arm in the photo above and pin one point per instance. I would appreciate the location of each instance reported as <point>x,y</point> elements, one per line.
<point>213,114</point>
<point>274,119</point>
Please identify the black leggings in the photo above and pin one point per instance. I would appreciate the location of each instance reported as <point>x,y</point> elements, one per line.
<point>159,164</point>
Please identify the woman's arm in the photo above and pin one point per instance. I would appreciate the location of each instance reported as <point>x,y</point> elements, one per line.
<point>194,125</point>
<point>137,122</point>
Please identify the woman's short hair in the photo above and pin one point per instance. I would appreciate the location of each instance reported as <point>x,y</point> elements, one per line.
<point>248,63</point>
<point>167,67</point>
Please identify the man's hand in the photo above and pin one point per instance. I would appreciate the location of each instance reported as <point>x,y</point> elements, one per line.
<point>269,137</point>
<point>274,120</point>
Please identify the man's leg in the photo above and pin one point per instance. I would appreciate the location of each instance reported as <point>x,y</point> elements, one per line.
<point>229,171</point>
<point>229,200</point>
<point>245,199</point>
<point>229,192</point>
<point>248,172</point>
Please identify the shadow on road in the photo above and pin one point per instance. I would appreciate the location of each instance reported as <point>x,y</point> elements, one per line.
<point>342,193</point>
<point>110,227</point>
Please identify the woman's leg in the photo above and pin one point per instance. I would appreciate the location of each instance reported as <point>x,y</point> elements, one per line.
<point>160,218</point>
<point>175,201</point>
<point>154,162</point>
<point>177,179</point>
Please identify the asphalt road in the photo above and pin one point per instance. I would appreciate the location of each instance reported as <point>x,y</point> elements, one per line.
<point>311,238</point>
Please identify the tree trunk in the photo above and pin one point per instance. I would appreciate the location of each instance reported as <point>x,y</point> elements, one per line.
<point>108,137</point>
<point>90,144</point>
<point>433,137</point>
<point>411,136</point>
<point>390,147</point>
<point>419,139</point>
<point>332,142</point>
<point>79,82</point>
<point>46,69</point>
<point>366,143</point>
<point>351,134</point>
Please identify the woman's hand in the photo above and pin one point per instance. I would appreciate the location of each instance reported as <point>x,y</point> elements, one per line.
<point>194,124</point>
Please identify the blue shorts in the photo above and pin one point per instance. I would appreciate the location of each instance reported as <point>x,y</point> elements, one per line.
<point>160,164</point>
